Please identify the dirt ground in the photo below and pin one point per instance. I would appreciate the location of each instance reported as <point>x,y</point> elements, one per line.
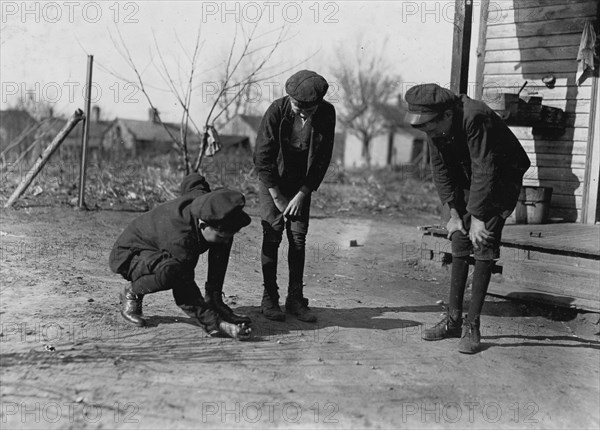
<point>68,360</point>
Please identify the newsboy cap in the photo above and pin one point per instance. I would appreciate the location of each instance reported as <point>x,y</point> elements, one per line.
<point>427,101</point>
<point>306,87</point>
<point>222,209</point>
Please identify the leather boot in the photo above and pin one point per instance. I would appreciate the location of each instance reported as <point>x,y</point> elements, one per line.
<point>449,326</point>
<point>214,300</point>
<point>470,340</point>
<point>297,305</point>
<point>131,306</point>
<point>269,305</point>
<point>208,319</point>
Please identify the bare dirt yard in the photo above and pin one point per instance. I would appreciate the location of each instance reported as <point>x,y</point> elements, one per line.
<point>68,359</point>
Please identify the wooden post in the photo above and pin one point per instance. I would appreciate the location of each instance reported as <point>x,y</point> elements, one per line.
<point>86,133</point>
<point>483,19</point>
<point>591,189</point>
<point>45,156</point>
<point>461,45</point>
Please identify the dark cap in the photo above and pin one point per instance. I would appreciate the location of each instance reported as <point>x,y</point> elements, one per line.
<point>222,209</point>
<point>427,101</point>
<point>306,87</point>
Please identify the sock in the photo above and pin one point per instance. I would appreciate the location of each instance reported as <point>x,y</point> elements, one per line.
<point>481,282</point>
<point>458,281</point>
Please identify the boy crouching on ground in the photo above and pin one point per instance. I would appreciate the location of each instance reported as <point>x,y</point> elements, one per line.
<point>159,251</point>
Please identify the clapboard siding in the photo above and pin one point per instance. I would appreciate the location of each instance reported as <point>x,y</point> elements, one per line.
<point>532,54</point>
<point>534,79</point>
<point>576,106</point>
<point>533,42</point>
<point>530,4</point>
<point>554,147</point>
<point>567,174</point>
<point>557,27</point>
<point>558,187</point>
<point>558,160</point>
<point>543,67</point>
<point>494,93</point>
<point>524,41</point>
<point>571,134</point>
<point>566,202</point>
<point>500,14</point>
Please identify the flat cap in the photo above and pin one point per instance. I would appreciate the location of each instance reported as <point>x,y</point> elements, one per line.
<point>306,87</point>
<point>427,101</point>
<point>222,209</point>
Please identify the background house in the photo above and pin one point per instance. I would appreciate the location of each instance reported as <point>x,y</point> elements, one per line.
<point>144,138</point>
<point>243,125</point>
<point>34,136</point>
<point>15,123</point>
<point>399,144</point>
<point>248,125</point>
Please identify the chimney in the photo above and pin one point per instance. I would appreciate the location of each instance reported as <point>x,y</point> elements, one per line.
<point>153,115</point>
<point>96,113</point>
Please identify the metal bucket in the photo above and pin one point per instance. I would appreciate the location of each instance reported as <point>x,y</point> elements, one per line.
<point>532,207</point>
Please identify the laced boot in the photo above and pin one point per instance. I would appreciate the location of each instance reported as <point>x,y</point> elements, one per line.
<point>212,323</point>
<point>449,326</point>
<point>214,300</point>
<point>131,306</point>
<point>470,340</point>
<point>208,319</point>
<point>297,305</point>
<point>269,305</point>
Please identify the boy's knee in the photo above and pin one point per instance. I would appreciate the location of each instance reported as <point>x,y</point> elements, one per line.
<point>170,272</point>
<point>272,234</point>
<point>298,239</point>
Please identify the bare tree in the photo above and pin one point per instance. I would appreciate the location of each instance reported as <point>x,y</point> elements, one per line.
<point>238,80</point>
<point>366,83</point>
<point>182,89</point>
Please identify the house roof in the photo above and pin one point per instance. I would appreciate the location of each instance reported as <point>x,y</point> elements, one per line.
<point>394,116</point>
<point>96,131</point>
<point>11,116</point>
<point>154,131</point>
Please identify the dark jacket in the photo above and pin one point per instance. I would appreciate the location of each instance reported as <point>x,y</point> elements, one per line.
<point>480,167</point>
<point>270,156</point>
<point>170,227</point>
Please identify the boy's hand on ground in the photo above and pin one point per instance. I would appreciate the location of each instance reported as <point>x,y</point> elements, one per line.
<point>455,224</point>
<point>236,331</point>
<point>478,234</point>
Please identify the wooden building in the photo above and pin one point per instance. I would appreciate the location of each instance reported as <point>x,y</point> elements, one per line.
<point>526,41</point>
<point>398,144</point>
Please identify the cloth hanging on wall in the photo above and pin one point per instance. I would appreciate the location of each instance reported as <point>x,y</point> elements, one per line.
<point>585,55</point>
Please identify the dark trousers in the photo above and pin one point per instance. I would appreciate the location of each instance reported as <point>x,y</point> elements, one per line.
<point>462,246</point>
<point>273,225</point>
<point>153,271</point>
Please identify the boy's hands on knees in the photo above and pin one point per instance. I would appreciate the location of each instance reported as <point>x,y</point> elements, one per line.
<point>281,201</point>
<point>294,207</point>
<point>455,223</point>
<point>478,233</point>
<point>282,204</point>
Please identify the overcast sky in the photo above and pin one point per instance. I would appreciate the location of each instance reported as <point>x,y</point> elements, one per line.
<point>45,45</point>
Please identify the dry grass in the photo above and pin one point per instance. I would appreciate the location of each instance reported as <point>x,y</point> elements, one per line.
<point>140,184</point>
